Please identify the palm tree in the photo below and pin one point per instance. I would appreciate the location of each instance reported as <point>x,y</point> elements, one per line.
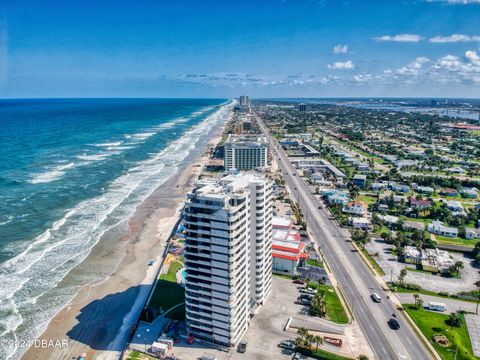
<point>302,332</point>
<point>416,297</point>
<point>401,277</point>
<point>309,339</point>
<point>456,268</point>
<point>420,303</point>
<point>318,340</point>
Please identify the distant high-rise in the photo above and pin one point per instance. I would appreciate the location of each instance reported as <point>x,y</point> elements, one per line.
<point>244,100</point>
<point>244,103</point>
<point>302,107</point>
<point>246,152</point>
<point>228,252</point>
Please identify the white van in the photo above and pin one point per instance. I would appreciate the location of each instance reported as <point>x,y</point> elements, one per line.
<point>437,306</point>
<point>376,298</point>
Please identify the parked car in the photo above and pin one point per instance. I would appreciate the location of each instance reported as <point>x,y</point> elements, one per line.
<point>299,281</point>
<point>393,323</point>
<point>242,347</point>
<point>287,344</point>
<point>298,356</point>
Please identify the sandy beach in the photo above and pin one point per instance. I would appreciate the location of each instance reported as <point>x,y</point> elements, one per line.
<point>98,321</point>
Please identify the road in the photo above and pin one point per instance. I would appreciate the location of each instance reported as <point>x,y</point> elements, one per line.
<point>355,278</point>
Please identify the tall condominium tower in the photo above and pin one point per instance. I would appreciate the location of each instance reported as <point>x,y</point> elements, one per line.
<point>228,255</point>
<point>246,152</point>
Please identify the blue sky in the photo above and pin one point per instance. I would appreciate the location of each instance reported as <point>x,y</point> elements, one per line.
<point>284,48</point>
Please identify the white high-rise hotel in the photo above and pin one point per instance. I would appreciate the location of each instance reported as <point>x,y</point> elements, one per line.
<point>246,152</point>
<point>228,255</point>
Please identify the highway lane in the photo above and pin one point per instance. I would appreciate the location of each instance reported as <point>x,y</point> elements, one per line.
<point>352,273</point>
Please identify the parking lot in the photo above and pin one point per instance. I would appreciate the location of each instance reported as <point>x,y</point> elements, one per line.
<point>265,331</point>
<point>392,267</point>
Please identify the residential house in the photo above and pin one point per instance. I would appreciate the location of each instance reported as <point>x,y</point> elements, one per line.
<point>471,233</point>
<point>449,192</point>
<point>438,228</point>
<point>471,193</point>
<point>355,208</point>
<point>361,223</point>
<point>360,180</point>
<point>420,204</point>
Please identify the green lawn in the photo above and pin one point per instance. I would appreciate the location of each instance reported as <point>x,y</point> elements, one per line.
<point>172,272</point>
<point>314,262</point>
<point>322,354</point>
<point>455,241</point>
<point>373,262</point>
<point>431,323</point>
<point>419,220</point>
<point>367,199</point>
<point>167,294</point>
<point>137,355</point>
<point>283,276</point>
<point>335,310</point>
<point>427,292</point>
<point>418,269</point>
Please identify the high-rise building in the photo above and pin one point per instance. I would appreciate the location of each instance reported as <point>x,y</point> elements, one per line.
<point>228,255</point>
<point>302,107</point>
<point>244,103</point>
<point>244,100</point>
<point>246,152</point>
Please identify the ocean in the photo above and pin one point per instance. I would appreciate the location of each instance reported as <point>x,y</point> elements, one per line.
<point>71,169</point>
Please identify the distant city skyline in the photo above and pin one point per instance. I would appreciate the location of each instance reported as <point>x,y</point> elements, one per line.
<point>282,48</point>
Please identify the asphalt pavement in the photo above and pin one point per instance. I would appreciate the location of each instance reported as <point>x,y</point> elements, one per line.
<point>355,278</point>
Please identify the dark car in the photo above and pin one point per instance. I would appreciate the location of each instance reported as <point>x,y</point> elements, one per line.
<point>393,323</point>
<point>242,347</point>
<point>299,281</point>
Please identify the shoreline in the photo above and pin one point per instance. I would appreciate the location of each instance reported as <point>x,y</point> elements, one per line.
<point>99,318</point>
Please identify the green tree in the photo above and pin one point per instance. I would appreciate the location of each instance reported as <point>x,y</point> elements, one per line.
<point>454,319</point>
<point>318,340</point>
<point>401,277</point>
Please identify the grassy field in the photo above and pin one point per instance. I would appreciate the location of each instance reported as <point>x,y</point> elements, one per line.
<point>168,293</point>
<point>322,354</point>
<point>373,262</point>
<point>432,293</point>
<point>137,355</point>
<point>335,310</point>
<point>455,241</point>
<point>367,199</point>
<point>313,262</point>
<point>431,323</point>
<point>414,269</point>
<point>283,276</point>
<point>172,272</point>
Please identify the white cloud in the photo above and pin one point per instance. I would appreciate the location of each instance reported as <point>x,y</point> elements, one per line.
<point>340,49</point>
<point>339,65</point>
<point>414,68</point>
<point>399,38</point>
<point>472,57</point>
<point>452,68</point>
<point>454,38</point>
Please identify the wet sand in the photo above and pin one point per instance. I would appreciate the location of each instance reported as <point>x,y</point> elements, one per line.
<point>99,319</point>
